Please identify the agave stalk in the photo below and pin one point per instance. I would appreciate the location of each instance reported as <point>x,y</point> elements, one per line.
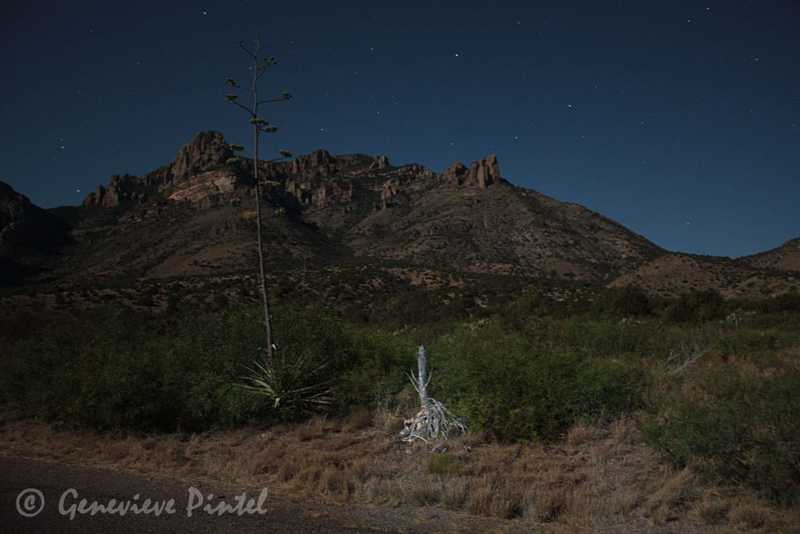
<point>259,125</point>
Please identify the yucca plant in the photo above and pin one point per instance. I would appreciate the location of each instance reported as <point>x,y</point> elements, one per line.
<point>294,385</point>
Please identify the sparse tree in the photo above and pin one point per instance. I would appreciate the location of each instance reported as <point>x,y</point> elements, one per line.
<point>259,125</point>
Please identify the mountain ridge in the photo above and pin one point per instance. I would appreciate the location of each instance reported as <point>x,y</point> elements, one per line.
<point>193,216</point>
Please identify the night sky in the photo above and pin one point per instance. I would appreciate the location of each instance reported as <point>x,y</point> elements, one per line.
<point>680,120</point>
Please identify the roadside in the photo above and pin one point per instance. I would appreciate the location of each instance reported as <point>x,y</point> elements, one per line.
<point>350,474</point>
<point>65,486</point>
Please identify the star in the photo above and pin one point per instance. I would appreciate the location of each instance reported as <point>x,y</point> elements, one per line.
<point>516,138</point>
<point>378,113</point>
<point>452,143</point>
<point>322,130</point>
<point>205,12</point>
<point>62,147</point>
<point>756,59</point>
<point>569,106</point>
<point>456,54</point>
<point>689,21</point>
<point>78,190</point>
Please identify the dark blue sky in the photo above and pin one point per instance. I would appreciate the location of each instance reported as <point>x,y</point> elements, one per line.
<point>680,120</point>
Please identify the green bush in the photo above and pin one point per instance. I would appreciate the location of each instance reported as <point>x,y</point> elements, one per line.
<point>114,369</point>
<point>696,306</point>
<point>509,390</point>
<point>736,424</point>
<point>787,302</point>
<point>626,302</point>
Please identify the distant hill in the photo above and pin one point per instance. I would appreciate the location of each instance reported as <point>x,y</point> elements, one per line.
<point>28,235</point>
<point>784,258</point>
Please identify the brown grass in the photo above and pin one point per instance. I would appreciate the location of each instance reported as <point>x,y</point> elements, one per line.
<point>598,479</point>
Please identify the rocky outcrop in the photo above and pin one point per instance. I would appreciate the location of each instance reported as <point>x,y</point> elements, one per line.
<point>485,172</point>
<point>121,188</point>
<point>480,174</point>
<point>207,151</point>
<point>455,174</point>
<point>314,165</point>
<point>205,187</point>
<point>320,195</point>
<point>388,192</point>
<point>381,162</point>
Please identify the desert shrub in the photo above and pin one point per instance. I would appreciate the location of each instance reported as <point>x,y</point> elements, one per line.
<point>696,306</point>
<point>524,308</point>
<point>114,369</point>
<point>626,302</point>
<point>735,423</point>
<point>513,392</point>
<point>379,372</point>
<point>786,302</point>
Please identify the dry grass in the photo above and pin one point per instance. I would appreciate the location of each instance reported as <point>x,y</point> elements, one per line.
<point>597,479</point>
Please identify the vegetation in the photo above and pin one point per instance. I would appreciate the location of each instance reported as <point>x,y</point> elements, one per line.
<point>717,394</point>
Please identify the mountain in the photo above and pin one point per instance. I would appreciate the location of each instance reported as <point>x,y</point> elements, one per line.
<point>195,212</point>
<point>28,235</point>
<point>194,217</point>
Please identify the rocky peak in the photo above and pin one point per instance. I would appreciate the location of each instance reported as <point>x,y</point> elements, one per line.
<point>207,151</point>
<point>481,173</point>
<point>455,174</point>
<point>316,164</point>
<point>485,172</point>
<point>381,162</point>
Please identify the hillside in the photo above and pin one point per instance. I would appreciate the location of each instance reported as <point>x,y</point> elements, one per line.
<point>783,258</point>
